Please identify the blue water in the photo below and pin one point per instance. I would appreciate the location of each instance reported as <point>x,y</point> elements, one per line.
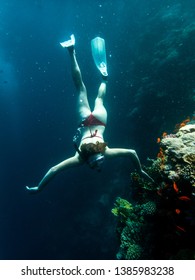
<point>151,64</point>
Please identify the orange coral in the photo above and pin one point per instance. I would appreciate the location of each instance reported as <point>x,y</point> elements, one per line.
<point>164,134</point>
<point>183,123</point>
<point>158,140</point>
<point>161,155</point>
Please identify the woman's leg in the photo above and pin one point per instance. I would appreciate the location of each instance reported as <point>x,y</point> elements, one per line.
<point>83,104</point>
<point>99,109</point>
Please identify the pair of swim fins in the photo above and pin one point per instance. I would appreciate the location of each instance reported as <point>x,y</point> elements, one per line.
<point>98,52</point>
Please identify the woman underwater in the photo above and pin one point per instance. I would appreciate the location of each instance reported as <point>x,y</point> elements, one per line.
<point>92,150</point>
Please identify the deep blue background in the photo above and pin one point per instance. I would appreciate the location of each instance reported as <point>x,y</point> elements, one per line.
<point>148,93</point>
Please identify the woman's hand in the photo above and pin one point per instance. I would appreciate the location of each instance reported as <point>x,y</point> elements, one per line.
<point>146,176</point>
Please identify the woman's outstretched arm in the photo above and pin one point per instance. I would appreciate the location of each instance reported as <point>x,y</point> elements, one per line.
<point>68,163</point>
<point>119,152</point>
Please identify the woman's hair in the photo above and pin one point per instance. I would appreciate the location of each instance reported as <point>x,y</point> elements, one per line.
<point>90,149</point>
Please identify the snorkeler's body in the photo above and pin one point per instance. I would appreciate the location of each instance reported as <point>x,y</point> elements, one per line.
<point>92,149</point>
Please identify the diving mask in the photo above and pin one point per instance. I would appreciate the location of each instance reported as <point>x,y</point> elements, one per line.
<point>95,161</point>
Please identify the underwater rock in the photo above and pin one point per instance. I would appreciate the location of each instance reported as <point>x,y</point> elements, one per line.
<point>187,129</point>
<point>179,154</point>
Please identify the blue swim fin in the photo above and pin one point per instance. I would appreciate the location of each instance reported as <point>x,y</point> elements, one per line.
<point>99,54</point>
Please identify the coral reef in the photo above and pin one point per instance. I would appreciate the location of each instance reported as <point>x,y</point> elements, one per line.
<point>178,155</point>
<point>159,223</point>
<point>134,229</point>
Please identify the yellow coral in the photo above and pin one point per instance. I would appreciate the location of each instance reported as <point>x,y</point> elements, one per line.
<point>122,208</point>
<point>124,203</point>
<point>115,211</point>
